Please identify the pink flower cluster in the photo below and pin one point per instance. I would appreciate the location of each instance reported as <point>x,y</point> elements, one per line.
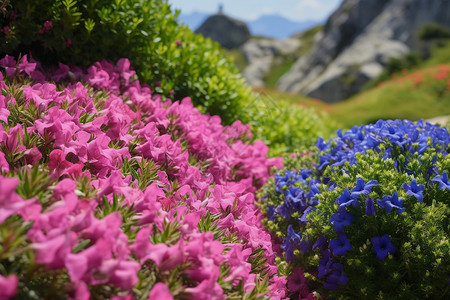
<point>202,170</point>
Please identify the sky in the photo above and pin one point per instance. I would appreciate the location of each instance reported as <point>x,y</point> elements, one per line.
<point>295,10</point>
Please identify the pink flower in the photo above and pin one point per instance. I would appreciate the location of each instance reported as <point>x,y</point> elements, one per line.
<point>61,72</point>
<point>25,66</point>
<point>165,257</point>
<point>8,286</point>
<point>46,26</point>
<point>178,43</point>
<point>9,64</point>
<point>68,42</point>
<point>6,30</point>
<point>160,291</point>
<point>206,290</point>
<point>4,111</point>
<point>4,166</point>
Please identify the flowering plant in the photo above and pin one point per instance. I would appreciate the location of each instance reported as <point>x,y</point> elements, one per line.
<point>369,217</point>
<point>109,192</point>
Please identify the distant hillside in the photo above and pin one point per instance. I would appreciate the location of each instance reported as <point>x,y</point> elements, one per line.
<point>271,26</point>
<point>278,27</point>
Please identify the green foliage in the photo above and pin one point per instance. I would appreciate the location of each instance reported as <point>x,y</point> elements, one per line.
<point>420,266</point>
<point>433,31</point>
<point>284,127</point>
<point>169,57</point>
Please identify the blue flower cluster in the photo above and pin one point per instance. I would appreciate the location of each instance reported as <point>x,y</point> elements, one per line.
<point>300,190</point>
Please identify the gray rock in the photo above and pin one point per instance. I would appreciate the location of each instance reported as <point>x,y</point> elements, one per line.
<point>358,40</point>
<point>228,32</point>
<point>260,55</point>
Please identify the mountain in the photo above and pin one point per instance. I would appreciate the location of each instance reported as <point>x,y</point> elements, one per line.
<point>358,41</point>
<point>194,19</point>
<point>270,26</point>
<point>278,27</point>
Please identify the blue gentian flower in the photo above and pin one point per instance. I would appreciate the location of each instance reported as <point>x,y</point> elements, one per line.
<point>320,242</point>
<point>382,246</point>
<point>390,202</point>
<point>341,245</point>
<point>325,264</point>
<point>345,200</point>
<point>341,219</point>
<point>336,278</point>
<point>414,190</point>
<point>294,241</point>
<point>290,243</point>
<point>303,219</point>
<point>443,181</point>
<point>271,212</point>
<point>363,188</point>
<point>370,208</point>
<point>296,198</point>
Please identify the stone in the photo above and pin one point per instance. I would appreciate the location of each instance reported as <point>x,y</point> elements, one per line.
<point>260,55</point>
<point>228,32</point>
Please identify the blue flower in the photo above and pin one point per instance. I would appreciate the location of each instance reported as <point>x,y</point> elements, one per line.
<point>294,241</point>
<point>370,208</point>
<point>325,264</point>
<point>271,212</point>
<point>345,200</point>
<point>290,242</point>
<point>341,245</point>
<point>382,246</point>
<point>341,219</point>
<point>443,181</point>
<point>390,202</point>
<point>363,188</point>
<point>303,219</point>
<point>320,243</point>
<point>414,190</point>
<point>336,278</point>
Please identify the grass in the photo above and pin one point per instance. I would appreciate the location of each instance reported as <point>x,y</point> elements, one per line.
<point>413,96</point>
<point>277,70</point>
<point>307,39</point>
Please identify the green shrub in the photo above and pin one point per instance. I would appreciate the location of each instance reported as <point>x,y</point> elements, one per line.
<point>285,127</point>
<point>366,215</point>
<point>433,31</point>
<point>169,57</point>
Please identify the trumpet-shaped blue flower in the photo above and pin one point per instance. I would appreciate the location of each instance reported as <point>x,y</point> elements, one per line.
<point>443,181</point>
<point>363,188</point>
<point>414,189</point>
<point>370,208</point>
<point>341,245</point>
<point>345,200</point>
<point>382,246</point>
<point>337,277</point>
<point>341,219</point>
<point>390,202</point>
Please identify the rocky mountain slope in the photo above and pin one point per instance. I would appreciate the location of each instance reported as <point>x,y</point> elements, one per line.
<point>358,40</point>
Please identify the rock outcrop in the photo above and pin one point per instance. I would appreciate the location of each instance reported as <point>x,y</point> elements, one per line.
<point>228,32</point>
<point>358,40</point>
<point>260,54</point>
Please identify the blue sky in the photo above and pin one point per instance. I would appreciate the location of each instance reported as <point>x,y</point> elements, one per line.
<point>296,10</point>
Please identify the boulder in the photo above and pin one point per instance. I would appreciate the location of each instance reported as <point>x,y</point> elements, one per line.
<point>228,32</point>
<point>260,55</point>
<point>358,40</point>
